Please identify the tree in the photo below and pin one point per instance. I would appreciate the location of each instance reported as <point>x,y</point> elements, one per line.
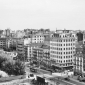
<point>19,68</point>
<point>1,61</point>
<point>8,67</point>
<point>16,68</point>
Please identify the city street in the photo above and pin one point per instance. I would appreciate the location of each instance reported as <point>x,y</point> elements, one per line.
<point>70,82</point>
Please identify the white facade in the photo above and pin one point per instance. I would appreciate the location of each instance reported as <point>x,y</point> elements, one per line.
<point>19,34</point>
<point>27,41</point>
<point>38,38</point>
<point>79,64</point>
<point>35,38</point>
<point>62,49</point>
<point>30,51</point>
<point>84,38</point>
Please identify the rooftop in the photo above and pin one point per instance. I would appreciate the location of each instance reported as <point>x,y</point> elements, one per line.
<point>35,44</point>
<point>45,47</point>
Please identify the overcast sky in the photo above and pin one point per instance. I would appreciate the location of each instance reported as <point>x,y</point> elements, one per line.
<point>60,14</point>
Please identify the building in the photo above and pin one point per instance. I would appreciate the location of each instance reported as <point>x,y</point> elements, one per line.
<point>79,36</point>
<point>42,55</point>
<point>19,34</point>
<point>36,38</point>
<point>3,43</point>
<point>47,38</point>
<point>79,59</point>
<point>62,49</point>
<point>84,38</point>
<point>7,32</point>
<point>30,48</point>
<point>20,48</point>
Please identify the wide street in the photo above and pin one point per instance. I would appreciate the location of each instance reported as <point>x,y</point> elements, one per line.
<point>65,82</point>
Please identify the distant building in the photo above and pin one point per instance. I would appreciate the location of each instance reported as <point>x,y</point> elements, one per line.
<point>3,43</point>
<point>62,49</point>
<point>30,48</point>
<point>37,38</point>
<point>79,59</point>
<point>20,48</point>
<point>19,34</point>
<point>7,32</point>
<point>79,36</point>
<point>84,38</point>
<point>42,55</point>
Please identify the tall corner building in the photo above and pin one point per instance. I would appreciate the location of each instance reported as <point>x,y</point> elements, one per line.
<point>62,49</point>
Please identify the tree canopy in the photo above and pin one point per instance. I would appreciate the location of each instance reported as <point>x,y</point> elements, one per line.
<point>12,68</point>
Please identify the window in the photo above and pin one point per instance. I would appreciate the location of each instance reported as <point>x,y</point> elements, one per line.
<point>66,52</point>
<point>71,44</point>
<point>69,40</point>
<point>71,48</point>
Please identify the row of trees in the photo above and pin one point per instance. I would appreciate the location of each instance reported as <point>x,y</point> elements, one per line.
<point>12,68</point>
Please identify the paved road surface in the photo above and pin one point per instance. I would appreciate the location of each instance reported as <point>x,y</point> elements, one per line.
<point>42,72</point>
<point>71,82</point>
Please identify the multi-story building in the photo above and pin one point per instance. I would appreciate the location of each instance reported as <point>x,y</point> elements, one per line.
<point>79,59</point>
<point>7,32</point>
<point>83,37</point>
<point>42,55</point>
<point>30,48</point>
<point>19,34</point>
<point>36,38</point>
<point>79,36</point>
<point>20,48</point>
<point>3,43</point>
<point>62,49</point>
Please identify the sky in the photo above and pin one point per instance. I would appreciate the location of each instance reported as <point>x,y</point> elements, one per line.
<point>36,14</point>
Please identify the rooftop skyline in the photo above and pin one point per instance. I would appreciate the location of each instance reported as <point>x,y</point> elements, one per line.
<point>36,14</point>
